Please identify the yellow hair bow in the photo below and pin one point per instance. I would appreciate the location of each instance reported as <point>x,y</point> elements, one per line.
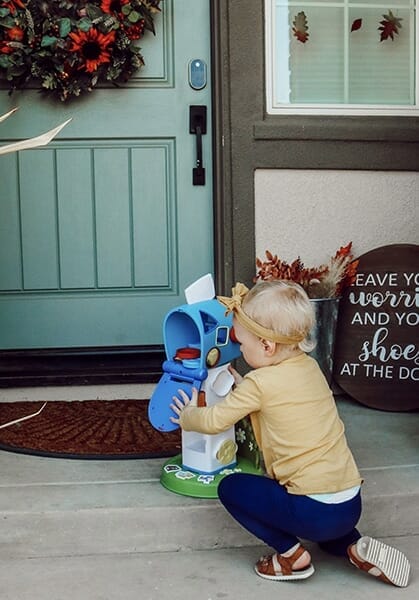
<point>234,302</point>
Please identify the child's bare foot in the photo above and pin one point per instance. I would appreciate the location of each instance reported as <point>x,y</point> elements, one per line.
<point>293,564</point>
<point>380,560</point>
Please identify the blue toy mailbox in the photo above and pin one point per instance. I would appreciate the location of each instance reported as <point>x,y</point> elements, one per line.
<point>199,346</point>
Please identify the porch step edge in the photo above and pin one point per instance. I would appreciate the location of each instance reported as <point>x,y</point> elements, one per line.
<point>107,520</point>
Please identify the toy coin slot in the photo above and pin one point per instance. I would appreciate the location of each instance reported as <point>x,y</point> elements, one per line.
<point>197,443</point>
<point>177,379</point>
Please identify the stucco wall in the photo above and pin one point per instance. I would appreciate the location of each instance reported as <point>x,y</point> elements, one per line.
<point>311,213</point>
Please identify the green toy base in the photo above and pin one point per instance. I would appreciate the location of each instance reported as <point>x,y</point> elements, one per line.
<point>190,483</point>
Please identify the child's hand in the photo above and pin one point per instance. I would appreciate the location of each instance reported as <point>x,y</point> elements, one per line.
<point>237,377</point>
<point>180,404</point>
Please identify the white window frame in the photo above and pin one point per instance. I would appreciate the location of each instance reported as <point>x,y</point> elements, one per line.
<point>273,108</point>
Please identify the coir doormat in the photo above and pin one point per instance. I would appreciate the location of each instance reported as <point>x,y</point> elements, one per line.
<point>88,429</point>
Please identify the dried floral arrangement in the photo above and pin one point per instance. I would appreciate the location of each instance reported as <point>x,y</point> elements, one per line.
<point>69,47</point>
<point>325,281</point>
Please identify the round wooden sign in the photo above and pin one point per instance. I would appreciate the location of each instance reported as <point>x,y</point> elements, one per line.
<point>376,359</point>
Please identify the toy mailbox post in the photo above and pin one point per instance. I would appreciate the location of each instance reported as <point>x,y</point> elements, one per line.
<point>199,348</point>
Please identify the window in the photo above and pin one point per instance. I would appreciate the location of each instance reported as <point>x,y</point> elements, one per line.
<point>342,57</point>
<point>222,336</point>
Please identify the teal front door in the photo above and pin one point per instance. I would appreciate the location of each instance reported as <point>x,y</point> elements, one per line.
<point>101,231</point>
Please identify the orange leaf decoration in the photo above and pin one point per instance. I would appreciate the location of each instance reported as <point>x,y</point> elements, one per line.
<point>300,29</point>
<point>357,24</point>
<point>390,25</point>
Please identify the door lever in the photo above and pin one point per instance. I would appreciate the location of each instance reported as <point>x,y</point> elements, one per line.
<point>198,126</point>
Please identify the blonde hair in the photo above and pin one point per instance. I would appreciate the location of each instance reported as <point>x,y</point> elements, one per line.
<point>284,307</point>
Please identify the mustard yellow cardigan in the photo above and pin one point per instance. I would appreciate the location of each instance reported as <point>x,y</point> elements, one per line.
<point>296,425</point>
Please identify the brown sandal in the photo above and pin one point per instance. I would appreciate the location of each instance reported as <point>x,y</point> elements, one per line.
<point>381,561</point>
<point>279,568</point>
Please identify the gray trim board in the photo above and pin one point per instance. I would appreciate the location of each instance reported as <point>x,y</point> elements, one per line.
<point>253,139</point>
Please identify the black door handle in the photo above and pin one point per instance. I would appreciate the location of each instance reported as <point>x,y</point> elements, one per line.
<point>198,126</point>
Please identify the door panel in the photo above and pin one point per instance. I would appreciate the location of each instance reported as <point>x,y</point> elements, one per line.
<point>102,230</point>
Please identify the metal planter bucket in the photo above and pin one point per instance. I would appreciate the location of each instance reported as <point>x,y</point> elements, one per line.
<point>324,330</point>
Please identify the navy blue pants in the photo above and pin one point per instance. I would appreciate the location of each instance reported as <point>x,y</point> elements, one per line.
<point>265,508</point>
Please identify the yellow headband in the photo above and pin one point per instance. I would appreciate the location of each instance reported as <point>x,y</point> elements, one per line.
<point>234,304</point>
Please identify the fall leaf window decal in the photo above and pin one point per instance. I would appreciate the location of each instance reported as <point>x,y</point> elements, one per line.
<point>389,26</point>
<point>300,27</point>
<point>343,57</point>
<point>357,24</point>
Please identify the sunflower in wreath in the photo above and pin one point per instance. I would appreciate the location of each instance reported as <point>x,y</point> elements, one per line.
<point>68,48</point>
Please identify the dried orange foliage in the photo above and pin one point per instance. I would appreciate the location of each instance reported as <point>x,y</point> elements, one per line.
<point>325,281</point>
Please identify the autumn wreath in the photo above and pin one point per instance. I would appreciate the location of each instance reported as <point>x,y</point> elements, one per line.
<point>70,47</point>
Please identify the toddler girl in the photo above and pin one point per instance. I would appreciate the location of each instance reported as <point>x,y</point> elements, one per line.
<point>312,487</point>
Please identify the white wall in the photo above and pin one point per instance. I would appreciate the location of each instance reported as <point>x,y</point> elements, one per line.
<point>311,213</point>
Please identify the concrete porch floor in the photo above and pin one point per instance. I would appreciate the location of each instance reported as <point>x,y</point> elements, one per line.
<point>107,530</point>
